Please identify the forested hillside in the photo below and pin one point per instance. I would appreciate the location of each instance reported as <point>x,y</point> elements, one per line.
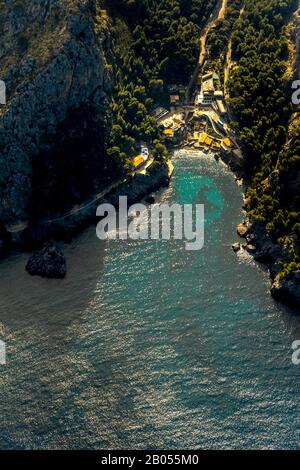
<point>82,78</point>
<point>260,90</point>
<point>156,43</point>
<point>219,37</point>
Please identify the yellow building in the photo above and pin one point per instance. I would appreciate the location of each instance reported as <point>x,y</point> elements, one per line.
<point>203,137</point>
<point>227,142</point>
<point>138,161</point>
<point>216,145</point>
<point>168,133</point>
<point>208,141</point>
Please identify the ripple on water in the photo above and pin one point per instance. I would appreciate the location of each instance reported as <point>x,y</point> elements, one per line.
<point>146,345</point>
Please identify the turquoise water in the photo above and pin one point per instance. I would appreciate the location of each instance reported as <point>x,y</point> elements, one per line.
<point>145,345</point>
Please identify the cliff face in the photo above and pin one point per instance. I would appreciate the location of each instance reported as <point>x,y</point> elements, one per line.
<point>53,59</point>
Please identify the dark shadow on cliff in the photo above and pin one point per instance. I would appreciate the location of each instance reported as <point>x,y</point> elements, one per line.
<point>72,165</point>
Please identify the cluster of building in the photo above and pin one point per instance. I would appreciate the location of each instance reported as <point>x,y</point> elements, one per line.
<point>209,95</point>
<point>204,141</point>
<point>177,95</point>
<point>207,129</point>
<point>172,126</point>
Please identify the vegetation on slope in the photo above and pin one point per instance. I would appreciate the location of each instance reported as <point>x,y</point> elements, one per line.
<point>218,38</point>
<point>261,104</point>
<point>156,43</point>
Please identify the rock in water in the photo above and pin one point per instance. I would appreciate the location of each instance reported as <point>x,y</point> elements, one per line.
<point>50,262</point>
<point>251,248</point>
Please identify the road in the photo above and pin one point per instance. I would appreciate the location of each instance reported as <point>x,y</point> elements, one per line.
<point>17,228</point>
<point>228,66</point>
<point>217,14</point>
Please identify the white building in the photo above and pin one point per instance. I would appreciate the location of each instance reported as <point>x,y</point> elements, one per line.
<point>209,96</point>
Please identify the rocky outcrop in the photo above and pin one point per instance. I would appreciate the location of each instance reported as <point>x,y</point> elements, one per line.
<point>242,229</point>
<point>236,247</point>
<point>274,256</point>
<point>234,161</point>
<point>260,244</point>
<point>287,290</point>
<point>50,262</point>
<point>53,61</point>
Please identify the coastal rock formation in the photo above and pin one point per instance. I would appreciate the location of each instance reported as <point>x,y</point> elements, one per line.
<point>287,290</point>
<point>250,248</point>
<point>242,229</point>
<point>236,247</point>
<point>274,256</point>
<point>50,262</point>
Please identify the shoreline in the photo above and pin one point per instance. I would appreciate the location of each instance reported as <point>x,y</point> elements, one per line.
<point>64,228</point>
<point>227,159</point>
<point>253,238</point>
<point>255,241</point>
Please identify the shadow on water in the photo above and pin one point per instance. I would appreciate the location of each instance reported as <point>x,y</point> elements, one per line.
<point>36,320</point>
<point>145,345</point>
<point>27,300</point>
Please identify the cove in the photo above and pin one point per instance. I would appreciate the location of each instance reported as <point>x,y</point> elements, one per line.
<point>147,346</point>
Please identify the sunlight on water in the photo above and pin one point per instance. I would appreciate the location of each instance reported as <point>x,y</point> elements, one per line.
<point>146,345</point>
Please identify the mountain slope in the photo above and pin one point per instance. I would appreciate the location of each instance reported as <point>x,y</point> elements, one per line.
<point>54,63</point>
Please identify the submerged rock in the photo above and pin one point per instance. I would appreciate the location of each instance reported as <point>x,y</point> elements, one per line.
<point>287,290</point>
<point>50,262</point>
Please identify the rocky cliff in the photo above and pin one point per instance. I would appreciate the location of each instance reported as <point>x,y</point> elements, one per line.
<point>53,59</point>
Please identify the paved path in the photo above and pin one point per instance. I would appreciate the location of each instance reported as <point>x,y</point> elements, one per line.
<point>17,228</point>
<point>218,14</point>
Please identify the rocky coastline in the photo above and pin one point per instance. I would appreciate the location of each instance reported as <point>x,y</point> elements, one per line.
<point>65,228</point>
<point>259,244</point>
<point>264,250</point>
